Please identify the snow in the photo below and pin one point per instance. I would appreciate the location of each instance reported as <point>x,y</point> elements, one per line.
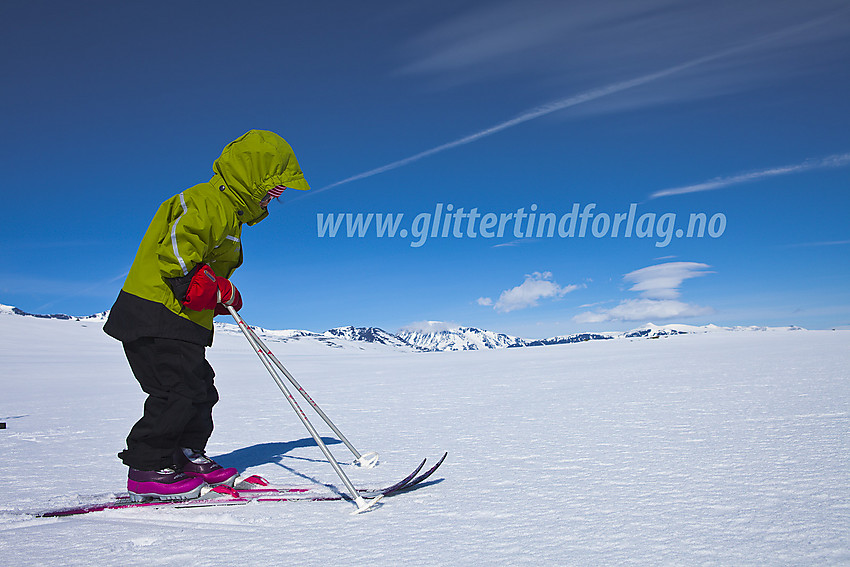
<point>724,448</point>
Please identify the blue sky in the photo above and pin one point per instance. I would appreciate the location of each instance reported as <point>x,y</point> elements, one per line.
<point>736,110</point>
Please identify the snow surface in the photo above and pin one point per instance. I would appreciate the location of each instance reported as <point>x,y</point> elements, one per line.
<point>726,448</point>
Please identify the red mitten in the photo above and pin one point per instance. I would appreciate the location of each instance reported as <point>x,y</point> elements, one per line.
<point>228,295</point>
<point>202,290</point>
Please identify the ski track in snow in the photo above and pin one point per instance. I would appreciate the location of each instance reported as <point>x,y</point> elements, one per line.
<point>723,448</point>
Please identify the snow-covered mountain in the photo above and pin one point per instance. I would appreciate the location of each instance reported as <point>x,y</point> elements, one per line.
<point>10,310</point>
<point>458,338</point>
<point>366,334</point>
<point>340,337</point>
<point>568,339</point>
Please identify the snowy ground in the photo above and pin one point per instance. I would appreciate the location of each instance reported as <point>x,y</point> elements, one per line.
<point>724,448</point>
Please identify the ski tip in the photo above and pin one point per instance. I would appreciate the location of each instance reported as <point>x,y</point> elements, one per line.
<point>412,483</point>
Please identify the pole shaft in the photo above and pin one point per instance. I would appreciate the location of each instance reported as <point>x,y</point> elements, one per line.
<point>304,393</point>
<point>292,402</point>
<point>267,352</point>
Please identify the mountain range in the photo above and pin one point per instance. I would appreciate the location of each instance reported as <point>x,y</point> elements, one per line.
<point>437,337</point>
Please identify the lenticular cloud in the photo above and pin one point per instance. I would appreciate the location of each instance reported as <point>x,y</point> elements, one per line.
<point>659,291</point>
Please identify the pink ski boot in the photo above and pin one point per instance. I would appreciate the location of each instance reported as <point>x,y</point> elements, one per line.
<point>196,464</point>
<point>164,484</point>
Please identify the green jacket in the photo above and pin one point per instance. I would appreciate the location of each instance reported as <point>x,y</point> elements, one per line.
<point>201,225</point>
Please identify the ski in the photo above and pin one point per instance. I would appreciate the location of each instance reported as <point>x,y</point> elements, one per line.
<point>226,496</point>
<point>258,486</point>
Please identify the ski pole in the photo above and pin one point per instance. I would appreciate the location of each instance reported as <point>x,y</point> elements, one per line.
<point>362,503</point>
<point>367,460</point>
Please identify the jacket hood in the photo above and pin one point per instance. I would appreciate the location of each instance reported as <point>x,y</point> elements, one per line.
<point>254,163</point>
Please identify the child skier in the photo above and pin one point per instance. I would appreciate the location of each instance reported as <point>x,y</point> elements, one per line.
<point>164,313</point>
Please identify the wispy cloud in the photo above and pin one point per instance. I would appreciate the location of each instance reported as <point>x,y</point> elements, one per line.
<point>837,160</point>
<point>659,291</point>
<point>824,243</point>
<point>645,310</point>
<point>663,281</point>
<point>430,326</point>
<point>511,244</point>
<point>582,98</point>
<point>524,117</point>
<point>581,41</point>
<point>535,287</point>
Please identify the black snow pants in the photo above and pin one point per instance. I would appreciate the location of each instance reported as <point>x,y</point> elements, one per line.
<point>178,411</point>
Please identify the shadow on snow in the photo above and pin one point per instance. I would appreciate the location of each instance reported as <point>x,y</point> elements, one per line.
<point>268,453</point>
